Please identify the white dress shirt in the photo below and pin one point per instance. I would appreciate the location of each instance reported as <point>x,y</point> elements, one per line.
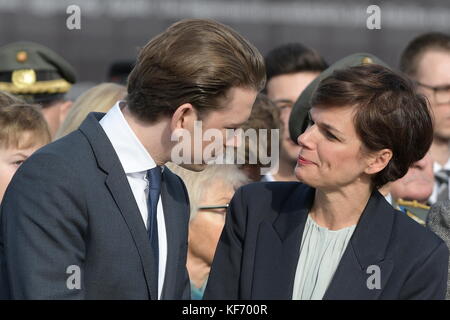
<point>136,161</point>
<point>391,201</point>
<point>268,177</point>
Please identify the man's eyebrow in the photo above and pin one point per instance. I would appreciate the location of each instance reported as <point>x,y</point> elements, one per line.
<point>443,87</point>
<point>283,101</point>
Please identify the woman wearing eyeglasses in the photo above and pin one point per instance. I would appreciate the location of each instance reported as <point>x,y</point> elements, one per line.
<point>209,191</point>
<point>333,235</point>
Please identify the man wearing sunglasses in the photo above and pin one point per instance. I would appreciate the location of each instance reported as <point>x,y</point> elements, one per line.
<point>426,60</point>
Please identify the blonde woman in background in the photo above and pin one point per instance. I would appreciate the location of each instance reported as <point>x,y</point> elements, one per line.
<point>100,98</point>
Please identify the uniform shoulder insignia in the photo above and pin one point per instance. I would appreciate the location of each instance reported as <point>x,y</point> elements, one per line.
<point>415,210</point>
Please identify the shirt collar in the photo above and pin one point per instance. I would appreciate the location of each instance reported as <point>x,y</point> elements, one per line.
<point>132,154</point>
<point>437,166</point>
<point>389,199</point>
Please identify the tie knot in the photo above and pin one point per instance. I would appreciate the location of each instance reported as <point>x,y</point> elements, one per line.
<point>442,176</point>
<point>154,177</point>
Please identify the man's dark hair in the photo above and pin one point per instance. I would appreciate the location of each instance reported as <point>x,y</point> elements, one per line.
<point>194,61</point>
<point>410,57</point>
<point>292,58</point>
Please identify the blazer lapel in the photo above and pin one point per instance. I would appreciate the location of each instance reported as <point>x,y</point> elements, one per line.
<point>122,194</point>
<point>364,258</point>
<point>175,211</point>
<point>278,247</point>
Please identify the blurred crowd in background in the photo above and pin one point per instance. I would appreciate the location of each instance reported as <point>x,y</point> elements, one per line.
<point>51,78</point>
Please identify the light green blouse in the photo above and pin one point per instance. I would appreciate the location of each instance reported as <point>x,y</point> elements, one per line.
<point>321,251</point>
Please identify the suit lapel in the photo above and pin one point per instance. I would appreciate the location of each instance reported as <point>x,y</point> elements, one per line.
<point>364,257</point>
<point>278,247</point>
<point>278,251</point>
<point>352,281</point>
<point>175,212</point>
<point>121,192</point>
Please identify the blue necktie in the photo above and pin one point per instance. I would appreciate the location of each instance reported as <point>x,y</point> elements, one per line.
<point>154,177</point>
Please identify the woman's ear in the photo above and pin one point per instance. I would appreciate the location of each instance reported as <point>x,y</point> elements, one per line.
<point>378,161</point>
<point>184,117</point>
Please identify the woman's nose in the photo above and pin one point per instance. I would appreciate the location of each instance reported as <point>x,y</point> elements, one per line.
<point>304,140</point>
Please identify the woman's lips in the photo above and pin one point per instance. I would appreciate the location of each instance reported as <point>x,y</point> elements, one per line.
<point>303,161</point>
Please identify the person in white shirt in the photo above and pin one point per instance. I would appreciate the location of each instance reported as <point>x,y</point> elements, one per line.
<point>290,69</point>
<point>426,60</point>
<point>96,215</point>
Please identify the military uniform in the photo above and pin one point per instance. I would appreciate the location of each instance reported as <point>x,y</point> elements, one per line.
<point>415,210</point>
<point>34,73</point>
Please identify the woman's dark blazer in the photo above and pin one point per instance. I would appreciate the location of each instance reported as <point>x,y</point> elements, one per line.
<point>259,249</point>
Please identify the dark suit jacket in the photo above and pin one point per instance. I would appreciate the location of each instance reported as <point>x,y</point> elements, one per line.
<point>259,249</point>
<point>69,204</point>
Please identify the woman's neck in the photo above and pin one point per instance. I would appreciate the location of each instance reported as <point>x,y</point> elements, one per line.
<point>335,210</point>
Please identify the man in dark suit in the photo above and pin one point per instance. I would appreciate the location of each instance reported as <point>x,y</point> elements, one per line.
<point>438,221</point>
<point>96,215</point>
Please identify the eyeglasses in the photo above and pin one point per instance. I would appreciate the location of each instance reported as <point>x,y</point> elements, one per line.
<point>441,93</point>
<point>215,209</point>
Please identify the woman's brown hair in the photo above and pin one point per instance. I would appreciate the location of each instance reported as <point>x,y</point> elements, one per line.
<point>389,114</point>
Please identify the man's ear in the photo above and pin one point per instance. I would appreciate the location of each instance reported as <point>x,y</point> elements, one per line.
<point>378,161</point>
<point>64,108</point>
<point>184,117</point>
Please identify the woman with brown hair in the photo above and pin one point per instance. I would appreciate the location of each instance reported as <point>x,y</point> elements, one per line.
<point>334,236</point>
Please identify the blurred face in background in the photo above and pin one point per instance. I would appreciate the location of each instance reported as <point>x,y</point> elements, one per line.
<point>418,182</point>
<point>284,91</point>
<point>10,160</point>
<point>55,113</point>
<point>434,71</point>
<point>206,226</point>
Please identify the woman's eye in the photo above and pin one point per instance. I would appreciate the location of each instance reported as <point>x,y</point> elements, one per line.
<point>330,136</point>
